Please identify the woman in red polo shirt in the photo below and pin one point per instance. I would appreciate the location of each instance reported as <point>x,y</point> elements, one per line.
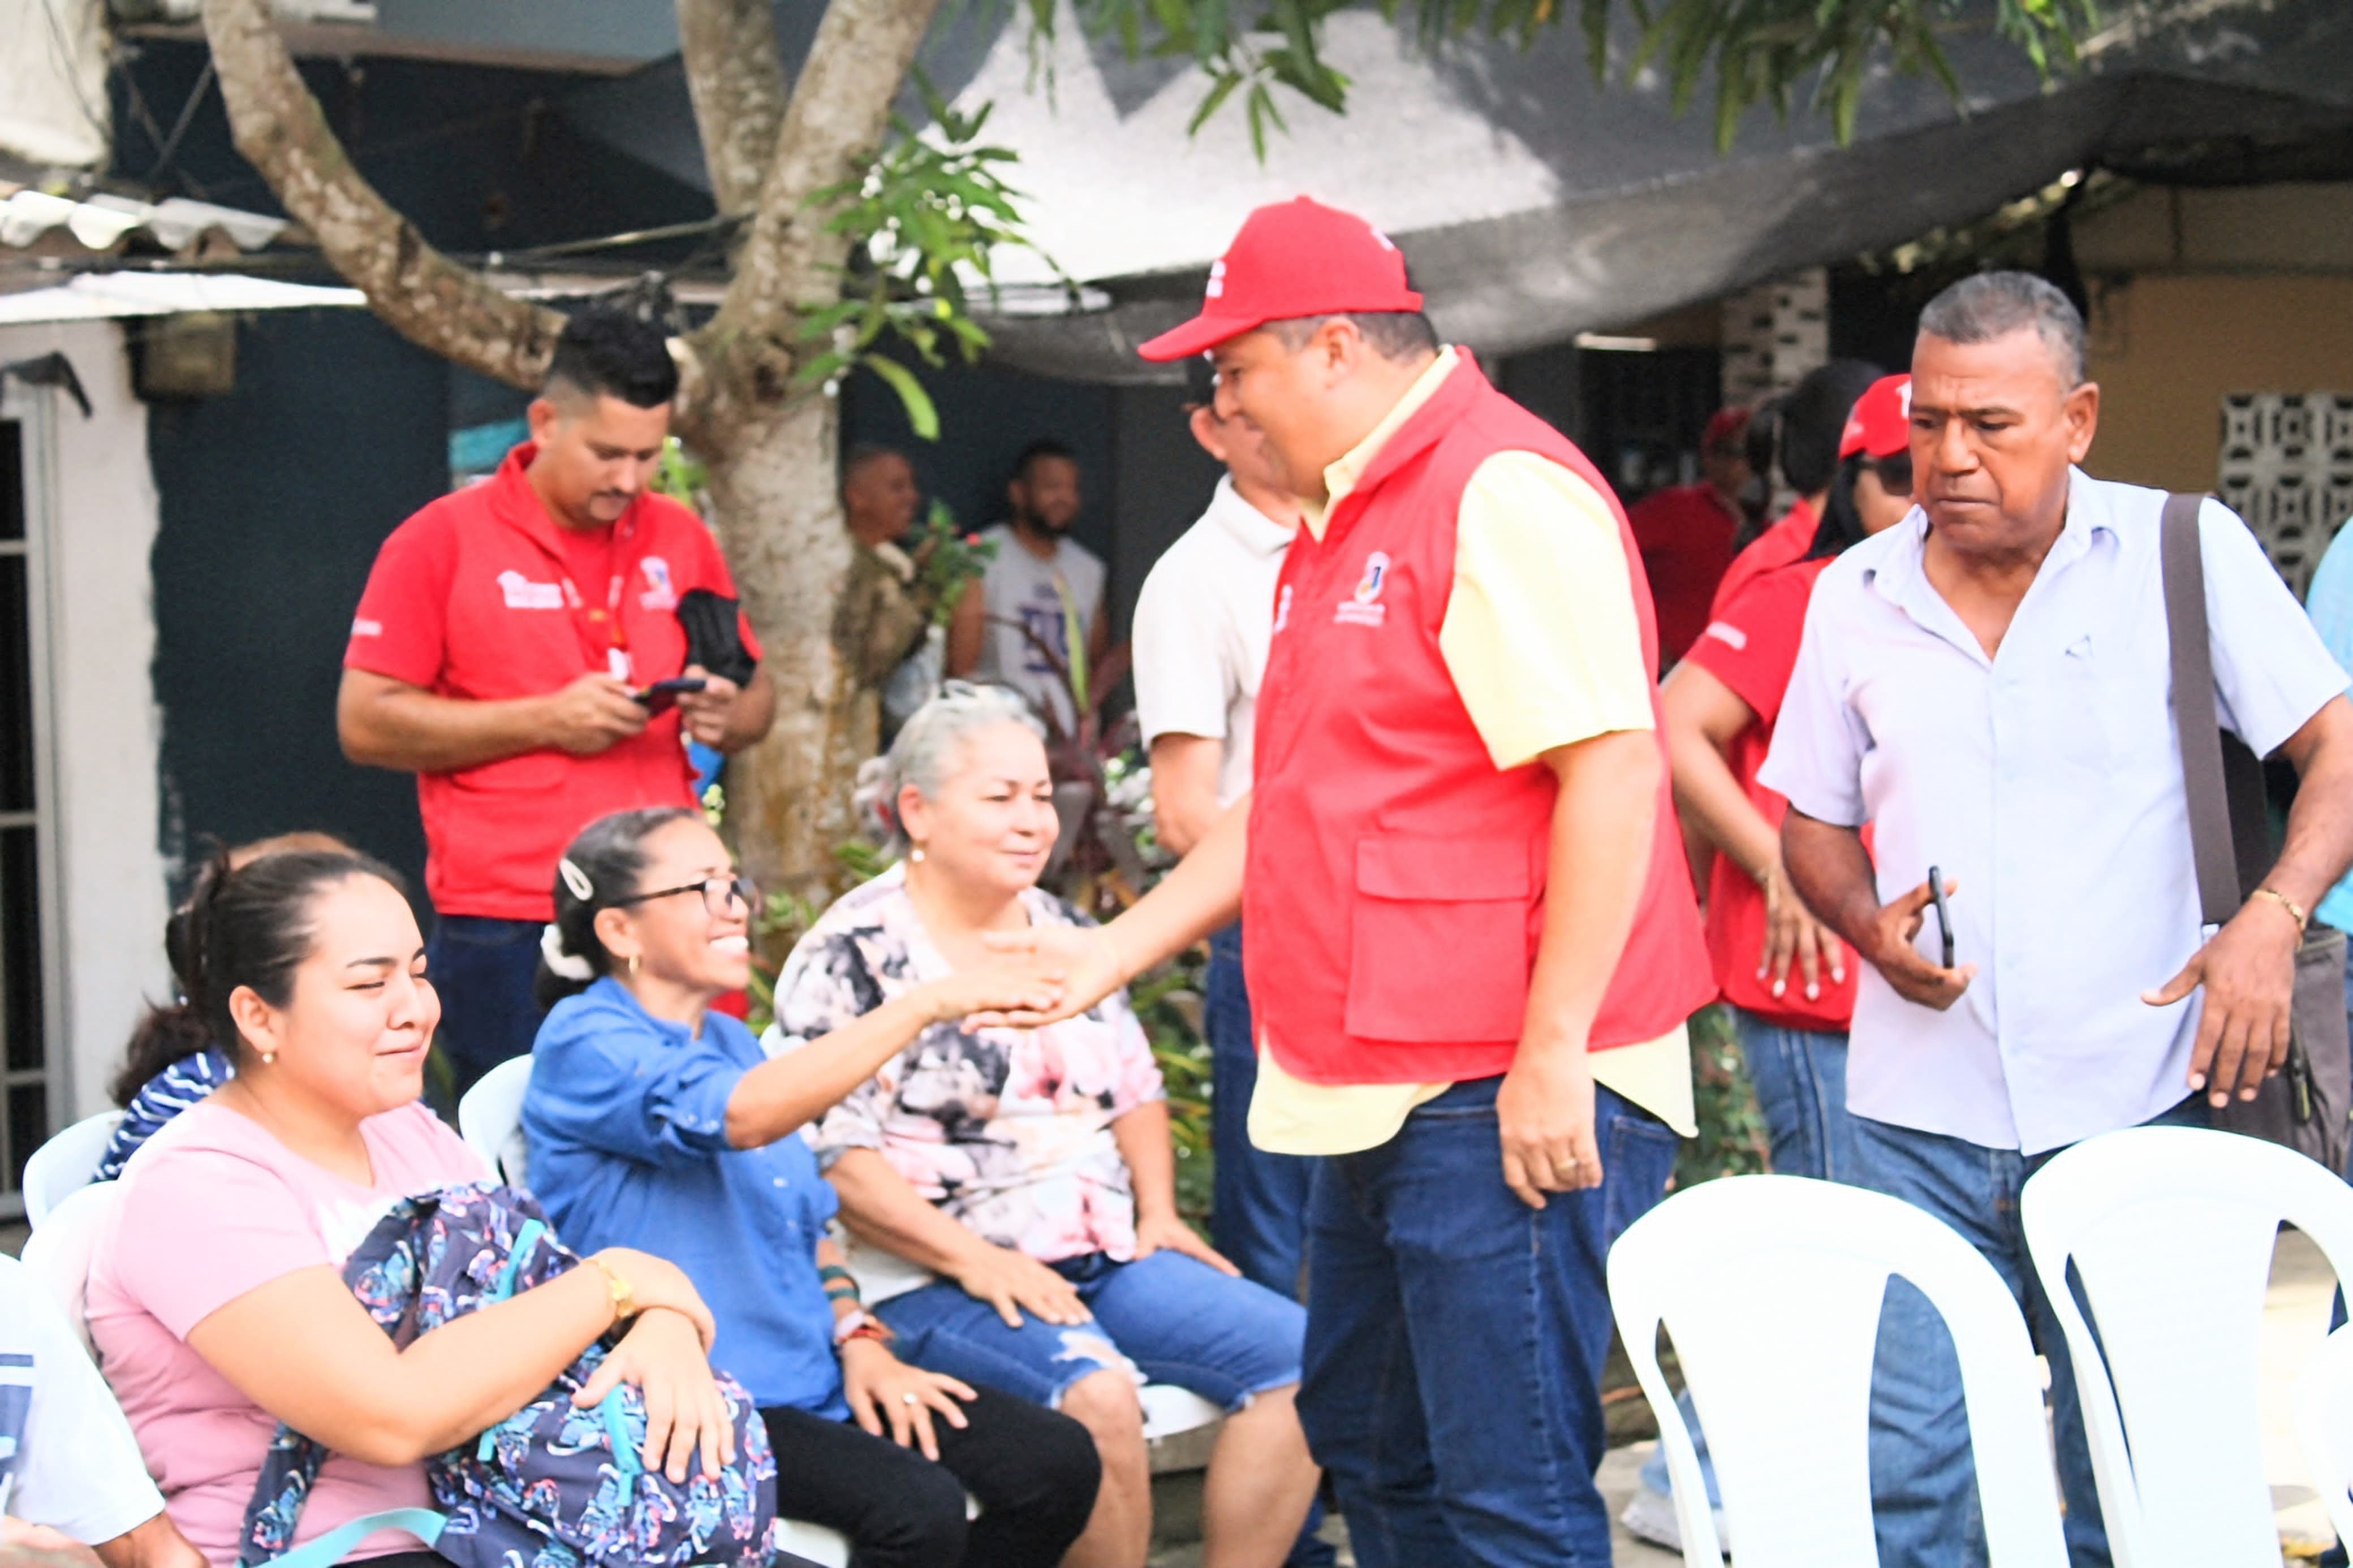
<point>1789,981</point>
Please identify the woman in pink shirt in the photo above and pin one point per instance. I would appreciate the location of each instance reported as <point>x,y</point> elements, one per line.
<point>215,1295</point>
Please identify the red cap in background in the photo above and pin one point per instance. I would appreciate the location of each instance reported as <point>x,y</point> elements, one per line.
<point>1881,424</point>
<point>1725,427</point>
<point>1291,259</point>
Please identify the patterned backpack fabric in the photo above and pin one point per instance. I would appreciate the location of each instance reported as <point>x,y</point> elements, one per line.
<point>552,1486</point>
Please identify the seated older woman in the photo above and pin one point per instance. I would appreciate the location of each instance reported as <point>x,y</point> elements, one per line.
<point>1032,1169</point>
<point>215,1295</point>
<point>654,1121</point>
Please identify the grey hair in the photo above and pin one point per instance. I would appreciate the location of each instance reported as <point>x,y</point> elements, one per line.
<point>925,754</point>
<point>1990,305</point>
<point>1392,334</point>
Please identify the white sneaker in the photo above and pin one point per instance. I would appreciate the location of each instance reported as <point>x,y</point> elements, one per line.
<point>1651,1516</point>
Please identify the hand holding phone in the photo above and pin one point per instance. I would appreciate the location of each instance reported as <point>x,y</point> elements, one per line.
<point>663,695</point>
<point>1944,912</point>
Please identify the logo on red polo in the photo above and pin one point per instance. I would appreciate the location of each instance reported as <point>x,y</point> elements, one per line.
<point>523,594</point>
<point>1363,608</point>
<point>658,594</point>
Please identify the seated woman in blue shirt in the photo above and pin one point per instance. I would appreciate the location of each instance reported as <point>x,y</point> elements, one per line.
<point>653,1119</point>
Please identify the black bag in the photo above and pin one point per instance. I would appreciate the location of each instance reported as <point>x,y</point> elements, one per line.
<point>2305,1106</point>
<point>712,639</point>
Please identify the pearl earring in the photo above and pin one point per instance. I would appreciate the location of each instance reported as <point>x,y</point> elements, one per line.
<point>916,854</point>
<point>269,1059</point>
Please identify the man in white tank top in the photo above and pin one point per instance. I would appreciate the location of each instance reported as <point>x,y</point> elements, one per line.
<point>1019,602</point>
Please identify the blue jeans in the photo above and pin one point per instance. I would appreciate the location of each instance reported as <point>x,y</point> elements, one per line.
<point>484,969</point>
<point>1257,1214</point>
<point>1800,1079</point>
<point>1455,1338</point>
<point>1923,1478</point>
<point>1174,1318</point>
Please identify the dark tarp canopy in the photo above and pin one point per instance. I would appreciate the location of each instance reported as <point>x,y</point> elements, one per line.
<point>1533,204</point>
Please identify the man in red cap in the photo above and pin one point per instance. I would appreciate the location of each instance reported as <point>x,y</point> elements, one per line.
<point>1468,940</point>
<point>1685,532</point>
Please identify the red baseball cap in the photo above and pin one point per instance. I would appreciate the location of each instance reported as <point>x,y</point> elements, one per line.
<point>1881,422</point>
<point>1291,259</point>
<point>1725,427</point>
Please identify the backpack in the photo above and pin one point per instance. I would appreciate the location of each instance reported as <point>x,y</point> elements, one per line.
<point>552,1486</point>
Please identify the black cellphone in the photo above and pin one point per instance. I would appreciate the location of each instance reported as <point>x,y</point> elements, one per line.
<point>1944,912</point>
<point>663,695</point>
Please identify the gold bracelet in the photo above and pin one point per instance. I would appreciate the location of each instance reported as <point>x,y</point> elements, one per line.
<point>625,1296</point>
<point>2295,911</point>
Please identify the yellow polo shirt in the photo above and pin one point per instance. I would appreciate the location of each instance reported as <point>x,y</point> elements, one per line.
<point>1541,641</point>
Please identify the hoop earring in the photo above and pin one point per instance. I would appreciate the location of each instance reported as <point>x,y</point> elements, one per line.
<point>633,965</point>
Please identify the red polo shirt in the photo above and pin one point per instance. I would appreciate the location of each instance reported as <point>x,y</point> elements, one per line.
<point>1752,646</point>
<point>1788,540</point>
<point>1685,534</point>
<point>482,596</point>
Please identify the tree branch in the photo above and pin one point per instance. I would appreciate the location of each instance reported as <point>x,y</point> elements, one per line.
<point>421,293</point>
<point>737,85</point>
<point>839,109</point>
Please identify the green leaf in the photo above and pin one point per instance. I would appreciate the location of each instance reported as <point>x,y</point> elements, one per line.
<point>922,416</point>
<point>1214,100</point>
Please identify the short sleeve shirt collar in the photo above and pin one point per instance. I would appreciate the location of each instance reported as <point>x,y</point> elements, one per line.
<point>1341,476</point>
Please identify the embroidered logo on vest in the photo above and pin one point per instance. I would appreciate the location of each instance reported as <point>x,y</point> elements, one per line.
<point>1283,608</point>
<point>1363,608</point>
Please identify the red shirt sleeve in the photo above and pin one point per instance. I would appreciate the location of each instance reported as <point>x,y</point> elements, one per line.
<point>400,628</point>
<point>1752,643</point>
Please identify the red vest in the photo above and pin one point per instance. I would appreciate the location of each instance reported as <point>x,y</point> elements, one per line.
<point>1394,891</point>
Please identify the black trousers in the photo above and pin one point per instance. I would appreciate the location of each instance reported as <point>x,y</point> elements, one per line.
<point>1034,1472</point>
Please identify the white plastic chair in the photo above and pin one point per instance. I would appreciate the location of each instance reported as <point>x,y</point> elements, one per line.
<point>489,1117</point>
<point>1771,1288</point>
<point>827,1548</point>
<point>60,1252</point>
<point>66,1162</point>
<point>2322,1400</point>
<point>2171,1231</point>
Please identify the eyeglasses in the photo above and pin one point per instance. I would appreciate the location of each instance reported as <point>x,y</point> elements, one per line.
<point>717,892</point>
<point>1894,473</point>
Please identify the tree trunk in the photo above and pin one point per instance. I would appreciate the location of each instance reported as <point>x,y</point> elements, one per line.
<point>772,493</point>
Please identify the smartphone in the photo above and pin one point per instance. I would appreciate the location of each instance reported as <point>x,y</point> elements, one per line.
<point>1944,912</point>
<point>663,695</point>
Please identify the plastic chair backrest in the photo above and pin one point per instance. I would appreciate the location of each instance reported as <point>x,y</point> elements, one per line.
<point>489,1117</point>
<point>66,1162</point>
<point>60,1252</point>
<point>2322,1399</point>
<point>2171,1231</point>
<point>827,1548</point>
<point>1771,1288</point>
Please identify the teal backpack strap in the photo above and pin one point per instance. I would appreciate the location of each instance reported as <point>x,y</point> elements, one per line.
<point>331,1547</point>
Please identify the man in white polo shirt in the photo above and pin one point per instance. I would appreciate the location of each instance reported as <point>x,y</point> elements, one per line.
<point>1201,635</point>
<point>1987,683</point>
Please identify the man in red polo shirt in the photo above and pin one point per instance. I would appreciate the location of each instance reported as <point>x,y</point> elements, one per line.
<point>1467,935</point>
<point>1685,532</point>
<point>504,651</point>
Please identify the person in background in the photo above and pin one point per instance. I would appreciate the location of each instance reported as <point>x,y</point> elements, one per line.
<point>1031,1169</point>
<point>1012,628</point>
<point>1201,627</point>
<point>1789,981</point>
<point>216,1291</point>
<point>1685,532</point>
<point>2329,602</point>
<point>1471,940</point>
<point>900,654</point>
<point>654,1121</point>
<point>71,1479</point>
<point>1987,685</point>
<point>171,1062</point>
<point>1803,430</point>
<point>498,653</point>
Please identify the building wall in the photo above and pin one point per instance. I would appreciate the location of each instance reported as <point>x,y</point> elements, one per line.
<point>94,532</point>
<point>2197,293</point>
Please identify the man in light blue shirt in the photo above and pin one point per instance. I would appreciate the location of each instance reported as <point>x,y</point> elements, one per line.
<point>1987,683</point>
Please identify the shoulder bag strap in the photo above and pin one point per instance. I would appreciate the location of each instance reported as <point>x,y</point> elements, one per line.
<point>2193,711</point>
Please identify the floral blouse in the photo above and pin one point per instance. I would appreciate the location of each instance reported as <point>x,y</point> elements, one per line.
<point>1007,1130</point>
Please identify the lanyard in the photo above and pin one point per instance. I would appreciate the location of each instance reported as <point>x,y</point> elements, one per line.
<point>612,646</point>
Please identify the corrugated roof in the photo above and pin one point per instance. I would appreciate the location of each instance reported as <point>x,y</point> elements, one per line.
<point>102,222</point>
<point>95,296</point>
